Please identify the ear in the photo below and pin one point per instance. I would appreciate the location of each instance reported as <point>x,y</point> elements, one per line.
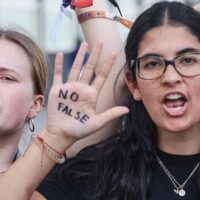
<point>133,86</point>
<point>37,106</point>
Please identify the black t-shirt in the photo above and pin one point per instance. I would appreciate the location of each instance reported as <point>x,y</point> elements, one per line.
<point>161,188</point>
<point>55,187</point>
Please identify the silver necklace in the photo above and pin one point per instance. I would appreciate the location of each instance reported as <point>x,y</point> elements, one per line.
<point>179,188</point>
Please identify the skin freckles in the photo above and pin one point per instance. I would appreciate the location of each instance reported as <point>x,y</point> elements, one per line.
<point>152,92</point>
<point>16,87</point>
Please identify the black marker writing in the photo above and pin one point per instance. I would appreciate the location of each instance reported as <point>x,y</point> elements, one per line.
<point>73,96</point>
<point>84,118</point>
<point>77,115</point>
<point>69,112</point>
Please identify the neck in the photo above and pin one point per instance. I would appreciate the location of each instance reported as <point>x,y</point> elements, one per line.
<point>184,143</point>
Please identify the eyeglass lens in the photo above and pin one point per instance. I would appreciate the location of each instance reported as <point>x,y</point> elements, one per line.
<point>152,67</point>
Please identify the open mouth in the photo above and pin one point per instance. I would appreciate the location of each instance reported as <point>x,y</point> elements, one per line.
<point>175,100</point>
<point>175,104</point>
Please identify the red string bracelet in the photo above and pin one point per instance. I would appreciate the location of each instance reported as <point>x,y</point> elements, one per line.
<point>52,153</point>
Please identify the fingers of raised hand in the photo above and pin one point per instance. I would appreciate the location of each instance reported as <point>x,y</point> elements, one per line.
<point>77,65</point>
<point>104,72</point>
<point>58,69</point>
<point>85,73</point>
<point>91,64</point>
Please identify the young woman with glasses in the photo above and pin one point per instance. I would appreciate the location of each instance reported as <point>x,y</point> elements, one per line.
<point>155,154</point>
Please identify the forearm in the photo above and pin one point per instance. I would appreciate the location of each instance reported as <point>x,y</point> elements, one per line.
<point>103,30</point>
<point>106,31</point>
<point>23,177</point>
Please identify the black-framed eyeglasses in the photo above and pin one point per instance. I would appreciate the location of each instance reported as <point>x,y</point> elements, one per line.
<point>153,67</point>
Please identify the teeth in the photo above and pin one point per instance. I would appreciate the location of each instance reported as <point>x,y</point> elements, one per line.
<point>174,96</point>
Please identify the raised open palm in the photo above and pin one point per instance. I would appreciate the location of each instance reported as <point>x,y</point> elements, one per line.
<point>72,105</point>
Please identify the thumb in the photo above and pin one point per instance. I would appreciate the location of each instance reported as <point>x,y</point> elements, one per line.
<point>111,114</point>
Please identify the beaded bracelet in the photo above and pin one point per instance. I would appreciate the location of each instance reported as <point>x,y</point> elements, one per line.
<point>50,151</point>
<point>103,14</point>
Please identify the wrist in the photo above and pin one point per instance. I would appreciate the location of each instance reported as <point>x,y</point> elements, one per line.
<point>58,142</point>
<point>103,14</point>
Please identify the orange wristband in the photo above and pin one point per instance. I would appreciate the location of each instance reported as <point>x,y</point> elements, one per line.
<point>103,14</point>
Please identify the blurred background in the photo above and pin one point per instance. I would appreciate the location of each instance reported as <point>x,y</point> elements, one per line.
<point>37,17</point>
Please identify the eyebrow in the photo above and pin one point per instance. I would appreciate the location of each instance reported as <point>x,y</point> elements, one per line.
<point>150,54</point>
<point>4,69</point>
<point>187,50</point>
<point>182,51</point>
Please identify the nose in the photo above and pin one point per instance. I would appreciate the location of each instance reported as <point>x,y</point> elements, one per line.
<point>171,76</point>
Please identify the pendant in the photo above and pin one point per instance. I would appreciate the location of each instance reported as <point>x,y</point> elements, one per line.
<point>181,192</point>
